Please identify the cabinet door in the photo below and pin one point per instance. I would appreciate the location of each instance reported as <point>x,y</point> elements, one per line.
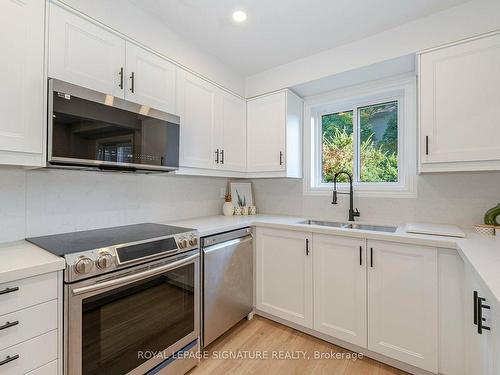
<point>267,133</point>
<point>403,303</point>
<point>196,100</point>
<point>82,53</point>
<point>480,348</point>
<point>153,82</point>
<point>339,267</point>
<point>232,135</point>
<point>460,102</point>
<point>22,76</point>
<point>284,275</point>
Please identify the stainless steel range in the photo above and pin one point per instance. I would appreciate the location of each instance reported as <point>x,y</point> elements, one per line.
<point>131,298</point>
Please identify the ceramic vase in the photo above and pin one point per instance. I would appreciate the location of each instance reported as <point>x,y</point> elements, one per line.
<point>237,210</point>
<point>228,209</point>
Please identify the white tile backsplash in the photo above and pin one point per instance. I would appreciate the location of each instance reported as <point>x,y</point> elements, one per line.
<point>455,198</point>
<point>47,201</point>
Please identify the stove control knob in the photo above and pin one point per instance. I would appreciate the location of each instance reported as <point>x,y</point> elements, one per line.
<point>193,241</point>
<point>105,260</point>
<point>183,243</point>
<point>83,265</point>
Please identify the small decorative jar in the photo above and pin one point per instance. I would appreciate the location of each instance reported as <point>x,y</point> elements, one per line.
<point>227,207</point>
<point>252,210</point>
<point>488,230</point>
<point>237,210</point>
<point>244,210</point>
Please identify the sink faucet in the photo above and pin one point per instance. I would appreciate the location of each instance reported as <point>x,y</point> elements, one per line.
<point>352,212</point>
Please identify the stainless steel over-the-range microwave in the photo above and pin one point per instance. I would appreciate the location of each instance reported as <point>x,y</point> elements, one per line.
<point>89,129</point>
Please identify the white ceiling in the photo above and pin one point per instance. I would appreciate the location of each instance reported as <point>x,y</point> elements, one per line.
<point>280,31</point>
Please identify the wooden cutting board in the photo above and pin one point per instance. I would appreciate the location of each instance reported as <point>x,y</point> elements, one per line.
<point>435,229</point>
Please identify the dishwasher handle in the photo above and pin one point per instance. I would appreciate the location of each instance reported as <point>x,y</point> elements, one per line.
<point>236,241</point>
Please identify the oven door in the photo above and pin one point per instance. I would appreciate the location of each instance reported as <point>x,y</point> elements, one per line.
<point>132,321</point>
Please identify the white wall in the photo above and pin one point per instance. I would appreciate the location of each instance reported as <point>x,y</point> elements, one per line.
<point>128,19</point>
<point>455,198</point>
<point>471,18</point>
<point>40,202</point>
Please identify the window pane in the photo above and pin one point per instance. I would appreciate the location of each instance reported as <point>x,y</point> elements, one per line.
<point>378,126</point>
<point>337,145</point>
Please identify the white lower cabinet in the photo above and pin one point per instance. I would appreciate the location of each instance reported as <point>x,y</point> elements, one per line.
<point>403,303</point>
<point>377,295</point>
<point>48,369</point>
<point>482,322</point>
<point>339,265</point>
<point>30,313</point>
<point>284,274</point>
<point>29,355</point>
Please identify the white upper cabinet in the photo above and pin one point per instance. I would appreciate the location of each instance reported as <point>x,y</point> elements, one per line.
<point>85,54</point>
<point>22,76</point>
<point>231,134</point>
<point>274,131</point>
<point>460,106</point>
<point>284,275</point>
<point>339,265</point>
<point>150,79</point>
<point>213,127</point>
<point>196,100</point>
<point>403,303</point>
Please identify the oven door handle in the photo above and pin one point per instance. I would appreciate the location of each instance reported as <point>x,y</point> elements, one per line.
<point>136,276</point>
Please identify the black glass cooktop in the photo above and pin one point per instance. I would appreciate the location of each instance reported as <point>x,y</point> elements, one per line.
<point>75,242</point>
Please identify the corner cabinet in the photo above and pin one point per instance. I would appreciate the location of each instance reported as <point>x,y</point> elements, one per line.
<point>274,131</point>
<point>459,106</point>
<point>482,327</point>
<point>403,303</point>
<point>213,128</point>
<point>284,275</point>
<point>22,92</point>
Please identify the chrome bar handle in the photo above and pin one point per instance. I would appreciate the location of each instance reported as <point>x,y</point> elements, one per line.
<point>9,359</point>
<point>9,324</point>
<point>136,276</point>
<point>9,290</point>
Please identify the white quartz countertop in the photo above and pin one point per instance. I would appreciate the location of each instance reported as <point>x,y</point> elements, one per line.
<point>21,259</point>
<point>209,225</point>
<point>482,253</point>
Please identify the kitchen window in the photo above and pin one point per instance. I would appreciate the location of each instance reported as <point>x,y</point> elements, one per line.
<point>369,131</point>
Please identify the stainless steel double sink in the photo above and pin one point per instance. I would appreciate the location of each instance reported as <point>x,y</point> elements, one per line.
<point>334,224</point>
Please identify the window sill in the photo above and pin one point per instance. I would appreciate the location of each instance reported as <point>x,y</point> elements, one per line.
<point>365,191</point>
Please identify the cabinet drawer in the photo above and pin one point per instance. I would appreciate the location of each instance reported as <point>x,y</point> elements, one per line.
<point>30,354</point>
<point>19,294</point>
<point>25,324</point>
<point>48,369</point>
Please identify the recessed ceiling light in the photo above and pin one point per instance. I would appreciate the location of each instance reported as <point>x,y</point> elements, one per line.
<point>239,16</point>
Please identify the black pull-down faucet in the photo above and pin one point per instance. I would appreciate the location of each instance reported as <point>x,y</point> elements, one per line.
<point>352,213</point>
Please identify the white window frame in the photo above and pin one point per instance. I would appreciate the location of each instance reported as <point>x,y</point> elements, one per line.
<point>400,89</point>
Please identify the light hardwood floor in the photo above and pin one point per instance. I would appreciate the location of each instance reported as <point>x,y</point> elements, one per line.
<point>266,336</point>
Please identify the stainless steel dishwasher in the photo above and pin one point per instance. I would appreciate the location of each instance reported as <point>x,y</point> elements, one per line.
<point>227,281</point>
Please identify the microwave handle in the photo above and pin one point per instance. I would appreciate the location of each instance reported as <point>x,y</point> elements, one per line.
<point>136,276</point>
